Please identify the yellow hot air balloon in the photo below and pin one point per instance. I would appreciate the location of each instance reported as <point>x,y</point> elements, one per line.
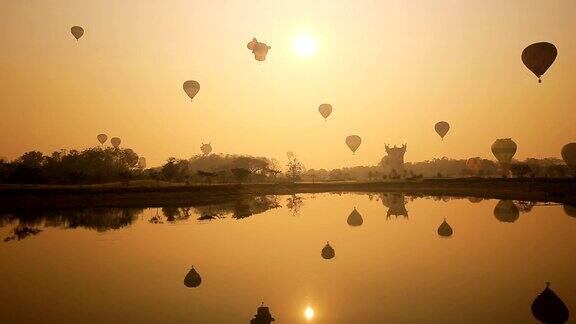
<point>328,251</point>
<point>102,138</point>
<point>325,110</point>
<point>77,32</point>
<point>191,88</point>
<point>442,128</point>
<point>569,156</point>
<point>445,229</point>
<point>206,148</point>
<point>192,279</point>
<point>353,142</point>
<point>505,211</point>
<point>504,150</point>
<point>115,141</point>
<point>355,219</point>
<point>538,57</point>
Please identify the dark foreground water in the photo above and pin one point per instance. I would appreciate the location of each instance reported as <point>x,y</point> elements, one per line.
<point>130,265</point>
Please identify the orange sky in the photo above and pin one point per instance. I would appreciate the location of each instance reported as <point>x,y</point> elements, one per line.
<point>390,69</point>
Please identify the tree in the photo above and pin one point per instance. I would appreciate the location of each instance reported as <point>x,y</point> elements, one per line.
<point>240,174</point>
<point>520,170</point>
<point>295,168</point>
<point>170,169</point>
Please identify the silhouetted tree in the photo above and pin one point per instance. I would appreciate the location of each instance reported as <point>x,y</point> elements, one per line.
<point>295,168</point>
<point>240,174</point>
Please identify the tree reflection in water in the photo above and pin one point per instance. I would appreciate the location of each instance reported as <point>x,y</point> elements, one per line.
<point>98,219</point>
<point>294,203</point>
<point>242,207</point>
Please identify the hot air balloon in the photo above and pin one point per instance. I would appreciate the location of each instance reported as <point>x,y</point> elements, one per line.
<point>538,57</point>
<point>142,163</point>
<point>353,142</point>
<point>549,308</point>
<point>325,110</point>
<point>192,279</point>
<point>474,165</point>
<point>442,128</point>
<point>504,150</point>
<point>569,156</point>
<point>206,148</point>
<point>115,141</point>
<point>77,32</point>
<point>191,88</point>
<point>444,229</point>
<point>328,251</point>
<point>260,50</point>
<point>102,138</point>
<point>506,212</point>
<point>355,219</point>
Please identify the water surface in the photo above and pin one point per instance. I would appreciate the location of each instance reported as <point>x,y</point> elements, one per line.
<point>119,265</point>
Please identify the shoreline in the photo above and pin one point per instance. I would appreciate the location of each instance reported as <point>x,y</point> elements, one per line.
<point>27,197</point>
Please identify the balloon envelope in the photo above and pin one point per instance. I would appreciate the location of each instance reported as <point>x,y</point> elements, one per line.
<point>569,156</point>
<point>191,88</point>
<point>206,148</point>
<point>506,212</point>
<point>325,110</point>
<point>328,252</point>
<point>260,50</point>
<point>192,279</point>
<point>442,128</point>
<point>547,307</point>
<point>102,138</point>
<point>538,57</point>
<point>445,229</point>
<point>353,142</point>
<point>504,150</point>
<point>115,141</point>
<point>355,219</point>
<point>77,32</point>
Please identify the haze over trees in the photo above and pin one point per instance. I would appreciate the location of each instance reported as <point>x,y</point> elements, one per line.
<point>103,165</point>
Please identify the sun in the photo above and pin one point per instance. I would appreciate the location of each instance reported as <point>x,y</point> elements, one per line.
<point>309,313</point>
<point>304,46</point>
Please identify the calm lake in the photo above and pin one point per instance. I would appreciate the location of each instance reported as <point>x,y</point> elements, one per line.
<point>390,265</point>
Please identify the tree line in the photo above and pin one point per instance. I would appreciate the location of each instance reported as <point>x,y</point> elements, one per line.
<point>102,165</point>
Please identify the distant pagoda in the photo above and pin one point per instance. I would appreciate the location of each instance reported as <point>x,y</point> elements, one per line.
<point>395,159</point>
<point>262,316</point>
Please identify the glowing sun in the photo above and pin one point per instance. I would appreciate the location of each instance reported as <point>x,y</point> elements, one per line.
<point>304,45</point>
<point>309,313</point>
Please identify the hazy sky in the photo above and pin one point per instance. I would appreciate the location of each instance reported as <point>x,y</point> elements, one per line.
<point>390,69</point>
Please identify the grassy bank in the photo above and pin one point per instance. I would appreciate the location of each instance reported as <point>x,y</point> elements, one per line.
<point>153,194</point>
